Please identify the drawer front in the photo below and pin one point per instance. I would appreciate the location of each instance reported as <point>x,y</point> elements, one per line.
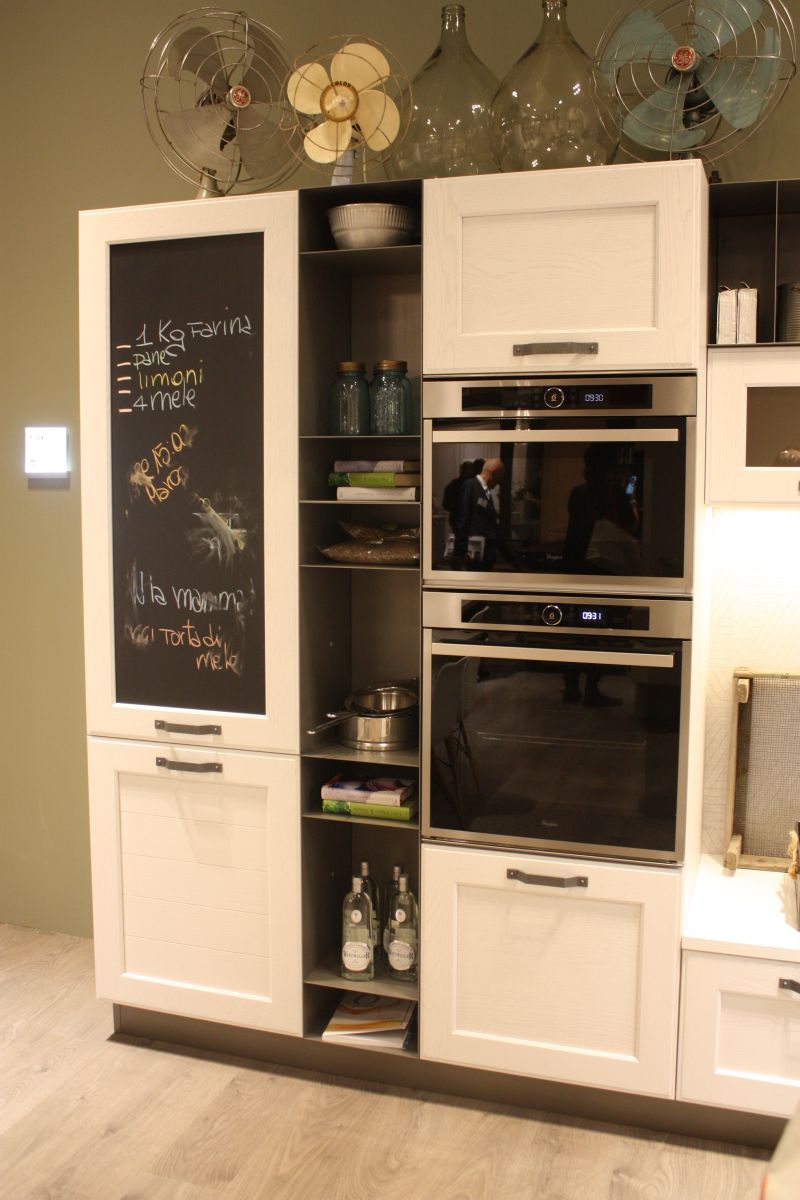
<point>740,1033</point>
<point>195,868</point>
<point>526,975</point>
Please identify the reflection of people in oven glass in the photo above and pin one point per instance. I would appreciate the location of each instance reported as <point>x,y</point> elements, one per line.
<point>477,518</point>
<point>602,535</point>
<point>451,496</point>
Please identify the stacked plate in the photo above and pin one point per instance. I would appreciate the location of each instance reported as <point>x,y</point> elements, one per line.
<point>789,312</point>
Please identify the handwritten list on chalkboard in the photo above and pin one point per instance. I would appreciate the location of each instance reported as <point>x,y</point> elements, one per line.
<point>187,472</point>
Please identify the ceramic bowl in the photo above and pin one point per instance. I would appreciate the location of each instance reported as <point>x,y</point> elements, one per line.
<point>355,226</point>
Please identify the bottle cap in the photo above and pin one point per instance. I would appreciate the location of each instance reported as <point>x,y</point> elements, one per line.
<point>397,872</point>
<point>351,366</point>
<point>364,868</point>
<point>402,883</point>
<point>391,364</point>
<point>356,883</point>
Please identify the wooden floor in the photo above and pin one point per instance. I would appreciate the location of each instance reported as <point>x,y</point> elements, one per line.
<point>84,1116</point>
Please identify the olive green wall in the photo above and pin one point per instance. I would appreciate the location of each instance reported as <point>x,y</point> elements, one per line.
<point>74,137</point>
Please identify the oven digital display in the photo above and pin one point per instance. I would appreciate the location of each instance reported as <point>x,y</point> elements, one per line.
<point>590,616</point>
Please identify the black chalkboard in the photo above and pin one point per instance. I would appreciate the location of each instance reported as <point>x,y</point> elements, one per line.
<point>187,472</point>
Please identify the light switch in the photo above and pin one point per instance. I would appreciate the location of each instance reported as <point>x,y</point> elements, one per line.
<point>46,450</point>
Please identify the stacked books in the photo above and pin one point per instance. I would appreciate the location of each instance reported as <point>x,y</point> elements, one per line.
<point>362,1019</point>
<point>381,480</point>
<point>384,798</point>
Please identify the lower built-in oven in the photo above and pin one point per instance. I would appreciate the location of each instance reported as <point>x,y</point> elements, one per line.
<point>562,483</point>
<point>556,723</point>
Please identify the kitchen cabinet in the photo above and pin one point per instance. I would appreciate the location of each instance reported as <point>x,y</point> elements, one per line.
<point>740,1003</point>
<point>753,425</point>
<point>527,971</point>
<point>189,469</point>
<point>360,621</point>
<point>754,240</point>
<point>196,881</point>
<point>602,269</point>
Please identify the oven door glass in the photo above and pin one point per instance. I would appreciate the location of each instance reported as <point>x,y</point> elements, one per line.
<point>609,501</point>
<point>570,743</point>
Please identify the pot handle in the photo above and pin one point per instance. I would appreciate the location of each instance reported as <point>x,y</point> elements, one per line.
<point>334,718</point>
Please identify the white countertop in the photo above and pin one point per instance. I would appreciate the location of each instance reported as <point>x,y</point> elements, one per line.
<point>742,912</point>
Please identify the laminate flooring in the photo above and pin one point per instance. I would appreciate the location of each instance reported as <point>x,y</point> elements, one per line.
<point>84,1116</point>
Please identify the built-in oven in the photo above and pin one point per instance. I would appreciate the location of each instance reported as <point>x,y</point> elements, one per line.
<point>556,722</point>
<point>567,483</point>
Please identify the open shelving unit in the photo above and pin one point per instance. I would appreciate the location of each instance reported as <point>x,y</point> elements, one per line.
<point>359,623</point>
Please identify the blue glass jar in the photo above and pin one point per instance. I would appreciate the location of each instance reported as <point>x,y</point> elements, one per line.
<point>390,398</point>
<point>350,399</point>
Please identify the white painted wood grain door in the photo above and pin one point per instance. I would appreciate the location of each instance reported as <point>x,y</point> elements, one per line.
<point>606,266</point>
<point>196,882</point>
<point>571,983</point>
<point>740,1033</point>
<point>276,727</point>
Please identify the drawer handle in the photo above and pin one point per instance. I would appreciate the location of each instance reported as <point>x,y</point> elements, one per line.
<point>789,985</point>
<point>168,727</point>
<point>522,348</point>
<point>199,768</point>
<point>568,881</point>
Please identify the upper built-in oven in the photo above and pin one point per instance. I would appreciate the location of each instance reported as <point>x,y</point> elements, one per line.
<point>568,483</point>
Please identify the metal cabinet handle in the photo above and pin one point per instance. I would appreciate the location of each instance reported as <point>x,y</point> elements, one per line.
<point>203,768</point>
<point>522,348</point>
<point>789,985</point>
<point>569,881</point>
<point>200,730</point>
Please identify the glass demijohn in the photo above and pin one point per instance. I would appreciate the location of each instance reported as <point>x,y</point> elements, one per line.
<point>451,93</point>
<point>554,108</point>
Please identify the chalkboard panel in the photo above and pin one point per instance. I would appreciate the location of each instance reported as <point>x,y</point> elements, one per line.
<point>187,472</point>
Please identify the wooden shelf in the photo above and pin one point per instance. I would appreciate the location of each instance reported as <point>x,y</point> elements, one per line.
<point>360,503</point>
<point>411,1051</point>
<point>339,753</point>
<point>367,438</point>
<point>327,975</point>
<point>336,566</point>
<point>369,260</point>
<point>323,816</point>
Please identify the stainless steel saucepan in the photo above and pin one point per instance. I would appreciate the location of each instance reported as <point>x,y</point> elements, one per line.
<point>379,717</point>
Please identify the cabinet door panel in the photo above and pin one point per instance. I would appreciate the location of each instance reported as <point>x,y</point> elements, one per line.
<point>189,519</point>
<point>193,908</point>
<point>754,402</point>
<point>612,255</point>
<point>578,984</point>
<point>740,1033</point>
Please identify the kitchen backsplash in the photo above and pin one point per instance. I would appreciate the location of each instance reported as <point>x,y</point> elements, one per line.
<point>755,624</point>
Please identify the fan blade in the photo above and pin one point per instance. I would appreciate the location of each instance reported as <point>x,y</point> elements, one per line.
<point>361,65</point>
<point>658,121</point>
<point>305,87</point>
<point>266,69</point>
<point>740,88</point>
<point>197,135</point>
<point>715,26</point>
<point>641,37</point>
<point>263,145</point>
<point>326,142</point>
<point>197,51</point>
<point>378,118</point>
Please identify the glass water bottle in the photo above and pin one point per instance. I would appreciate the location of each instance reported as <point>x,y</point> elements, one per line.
<point>554,108</point>
<point>450,131</point>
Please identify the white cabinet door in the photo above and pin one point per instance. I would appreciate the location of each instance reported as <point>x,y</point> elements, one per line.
<point>753,415</point>
<point>611,259</point>
<point>740,1033</point>
<point>188,463</point>
<point>572,983</point>
<point>196,882</point>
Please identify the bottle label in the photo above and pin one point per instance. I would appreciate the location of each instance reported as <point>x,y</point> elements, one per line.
<point>402,955</point>
<point>356,956</point>
<point>355,917</point>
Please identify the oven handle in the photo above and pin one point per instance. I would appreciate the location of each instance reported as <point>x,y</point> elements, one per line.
<point>543,654</point>
<point>584,434</point>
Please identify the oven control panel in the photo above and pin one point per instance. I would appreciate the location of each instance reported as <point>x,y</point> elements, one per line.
<point>574,614</point>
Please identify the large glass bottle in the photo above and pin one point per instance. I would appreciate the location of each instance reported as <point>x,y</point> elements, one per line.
<point>449,133</point>
<point>554,108</point>
<point>403,949</point>
<point>358,951</point>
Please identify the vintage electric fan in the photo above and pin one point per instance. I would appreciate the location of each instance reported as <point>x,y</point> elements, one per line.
<point>214,96</point>
<point>352,105</point>
<point>696,77</point>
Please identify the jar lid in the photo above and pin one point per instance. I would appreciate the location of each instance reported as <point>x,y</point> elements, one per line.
<point>351,366</point>
<point>391,364</point>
